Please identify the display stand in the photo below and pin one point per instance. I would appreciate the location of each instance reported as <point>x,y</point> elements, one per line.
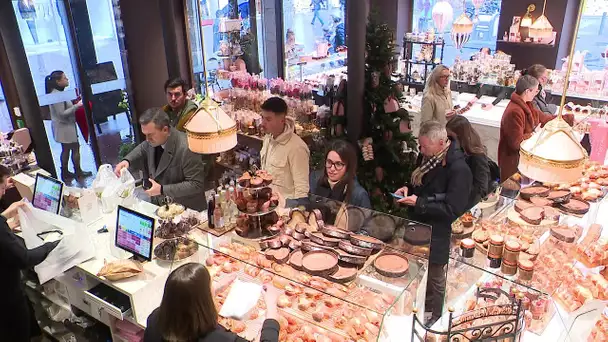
<point>437,47</point>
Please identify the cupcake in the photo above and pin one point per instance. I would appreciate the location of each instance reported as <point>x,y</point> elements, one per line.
<point>244,180</point>
<point>252,206</point>
<point>256,182</point>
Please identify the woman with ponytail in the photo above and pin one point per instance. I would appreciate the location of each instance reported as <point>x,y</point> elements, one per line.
<point>63,119</point>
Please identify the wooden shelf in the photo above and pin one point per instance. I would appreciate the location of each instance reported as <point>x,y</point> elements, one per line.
<point>528,44</point>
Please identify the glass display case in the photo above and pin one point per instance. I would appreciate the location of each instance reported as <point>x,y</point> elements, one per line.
<point>326,302</point>
<point>548,242</point>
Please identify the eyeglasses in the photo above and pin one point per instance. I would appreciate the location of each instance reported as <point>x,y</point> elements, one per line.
<point>337,165</point>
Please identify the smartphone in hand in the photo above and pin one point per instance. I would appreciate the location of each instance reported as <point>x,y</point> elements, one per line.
<point>396,196</point>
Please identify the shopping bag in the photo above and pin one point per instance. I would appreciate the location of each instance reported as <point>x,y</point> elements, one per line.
<point>105,176</point>
<point>74,248</point>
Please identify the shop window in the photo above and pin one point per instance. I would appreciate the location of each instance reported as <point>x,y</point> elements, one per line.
<point>593,34</point>
<point>5,115</point>
<point>314,35</point>
<point>484,33</point>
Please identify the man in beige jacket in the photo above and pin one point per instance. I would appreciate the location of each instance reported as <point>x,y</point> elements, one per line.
<point>284,155</point>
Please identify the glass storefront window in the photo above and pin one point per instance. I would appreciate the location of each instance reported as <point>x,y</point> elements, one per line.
<point>485,29</point>
<point>593,34</point>
<point>226,47</point>
<point>314,35</point>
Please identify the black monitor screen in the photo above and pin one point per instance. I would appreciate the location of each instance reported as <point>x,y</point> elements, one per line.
<point>134,232</point>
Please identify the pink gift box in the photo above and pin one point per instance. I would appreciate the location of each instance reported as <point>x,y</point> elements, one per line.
<point>599,141</point>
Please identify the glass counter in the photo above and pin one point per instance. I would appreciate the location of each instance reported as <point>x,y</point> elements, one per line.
<point>376,303</point>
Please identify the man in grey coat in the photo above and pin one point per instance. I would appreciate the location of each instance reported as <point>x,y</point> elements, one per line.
<point>172,169</point>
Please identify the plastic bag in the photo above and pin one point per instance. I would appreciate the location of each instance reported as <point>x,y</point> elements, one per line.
<point>243,297</point>
<point>118,191</point>
<point>74,248</point>
<point>105,176</point>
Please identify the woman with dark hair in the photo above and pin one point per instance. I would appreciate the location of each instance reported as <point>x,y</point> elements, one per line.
<point>475,154</point>
<point>18,323</point>
<point>63,117</point>
<point>518,123</point>
<point>338,180</point>
<point>187,312</point>
<point>541,101</point>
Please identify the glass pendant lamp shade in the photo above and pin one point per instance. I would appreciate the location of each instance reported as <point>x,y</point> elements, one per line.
<point>211,130</point>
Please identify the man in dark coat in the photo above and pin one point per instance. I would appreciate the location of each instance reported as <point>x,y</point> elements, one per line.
<point>438,195</point>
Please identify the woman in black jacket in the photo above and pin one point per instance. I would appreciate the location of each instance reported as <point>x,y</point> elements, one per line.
<point>16,316</point>
<point>187,312</point>
<point>475,154</point>
<point>338,180</point>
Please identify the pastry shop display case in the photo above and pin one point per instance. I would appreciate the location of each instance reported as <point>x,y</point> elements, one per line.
<point>337,284</point>
<point>550,239</point>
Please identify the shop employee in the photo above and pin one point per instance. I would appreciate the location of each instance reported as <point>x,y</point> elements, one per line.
<point>179,108</point>
<point>284,154</point>
<point>17,322</point>
<point>173,170</point>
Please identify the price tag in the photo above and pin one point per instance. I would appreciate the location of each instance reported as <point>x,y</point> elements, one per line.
<point>89,207</point>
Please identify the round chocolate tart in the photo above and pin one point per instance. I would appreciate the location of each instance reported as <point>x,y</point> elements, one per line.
<point>295,259</point>
<point>308,246</point>
<point>366,241</point>
<point>320,263</point>
<point>391,265</point>
<point>559,196</point>
<point>343,275</point>
<point>352,249</point>
<point>417,234</point>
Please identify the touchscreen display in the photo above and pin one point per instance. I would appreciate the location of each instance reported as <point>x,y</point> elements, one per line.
<point>134,232</point>
<point>47,194</point>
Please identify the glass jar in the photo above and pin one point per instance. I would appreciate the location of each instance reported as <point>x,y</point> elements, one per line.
<point>467,248</point>
<point>496,245</point>
<point>508,268</point>
<point>494,261</point>
<point>526,270</point>
<point>511,252</point>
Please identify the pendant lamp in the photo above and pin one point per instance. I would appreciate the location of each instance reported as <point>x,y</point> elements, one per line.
<point>539,159</point>
<point>210,130</point>
<point>461,29</point>
<point>526,21</point>
<point>542,28</point>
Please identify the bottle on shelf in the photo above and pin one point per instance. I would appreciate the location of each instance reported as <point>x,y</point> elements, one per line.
<point>232,209</point>
<point>210,209</point>
<point>217,213</point>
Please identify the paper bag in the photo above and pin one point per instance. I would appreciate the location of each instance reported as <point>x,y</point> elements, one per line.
<point>74,248</point>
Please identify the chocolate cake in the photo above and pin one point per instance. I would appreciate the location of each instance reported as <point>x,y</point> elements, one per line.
<point>352,249</point>
<point>534,191</point>
<point>541,202</point>
<point>575,206</point>
<point>559,196</point>
<point>521,205</point>
<point>366,241</point>
<point>321,263</point>
<point>295,259</point>
<point>532,215</point>
<point>417,234</point>
<point>343,275</point>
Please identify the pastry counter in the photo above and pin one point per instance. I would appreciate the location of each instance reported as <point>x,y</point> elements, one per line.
<point>546,242</point>
<point>336,284</point>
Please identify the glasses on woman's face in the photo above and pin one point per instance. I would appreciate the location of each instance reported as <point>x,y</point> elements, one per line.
<point>338,165</point>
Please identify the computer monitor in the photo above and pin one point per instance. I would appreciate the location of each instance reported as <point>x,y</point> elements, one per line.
<point>47,194</point>
<point>134,232</point>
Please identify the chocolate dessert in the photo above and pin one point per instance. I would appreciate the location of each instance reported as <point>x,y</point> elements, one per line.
<point>534,191</point>
<point>323,240</point>
<point>559,196</point>
<point>533,215</point>
<point>551,213</point>
<point>417,234</point>
<point>335,232</point>
<point>563,233</point>
<point>295,259</point>
<point>541,202</point>
<point>391,265</point>
<point>366,241</point>
<point>350,258</point>
<point>575,206</point>
<point>352,249</point>
<point>521,205</point>
<point>343,275</point>
<point>280,255</point>
<point>321,263</point>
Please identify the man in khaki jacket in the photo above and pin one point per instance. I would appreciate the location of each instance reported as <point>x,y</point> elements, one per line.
<point>284,155</point>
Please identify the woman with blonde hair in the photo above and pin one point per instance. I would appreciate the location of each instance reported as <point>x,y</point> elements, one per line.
<point>437,98</point>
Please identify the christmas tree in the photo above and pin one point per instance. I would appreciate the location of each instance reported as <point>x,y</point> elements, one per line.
<point>388,145</point>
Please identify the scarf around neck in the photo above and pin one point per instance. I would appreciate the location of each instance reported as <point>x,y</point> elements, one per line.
<point>429,164</point>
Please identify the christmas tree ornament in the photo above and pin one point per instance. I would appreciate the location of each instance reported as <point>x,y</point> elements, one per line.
<point>367,149</point>
<point>442,14</point>
<point>391,105</point>
<point>405,127</point>
<point>375,79</point>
